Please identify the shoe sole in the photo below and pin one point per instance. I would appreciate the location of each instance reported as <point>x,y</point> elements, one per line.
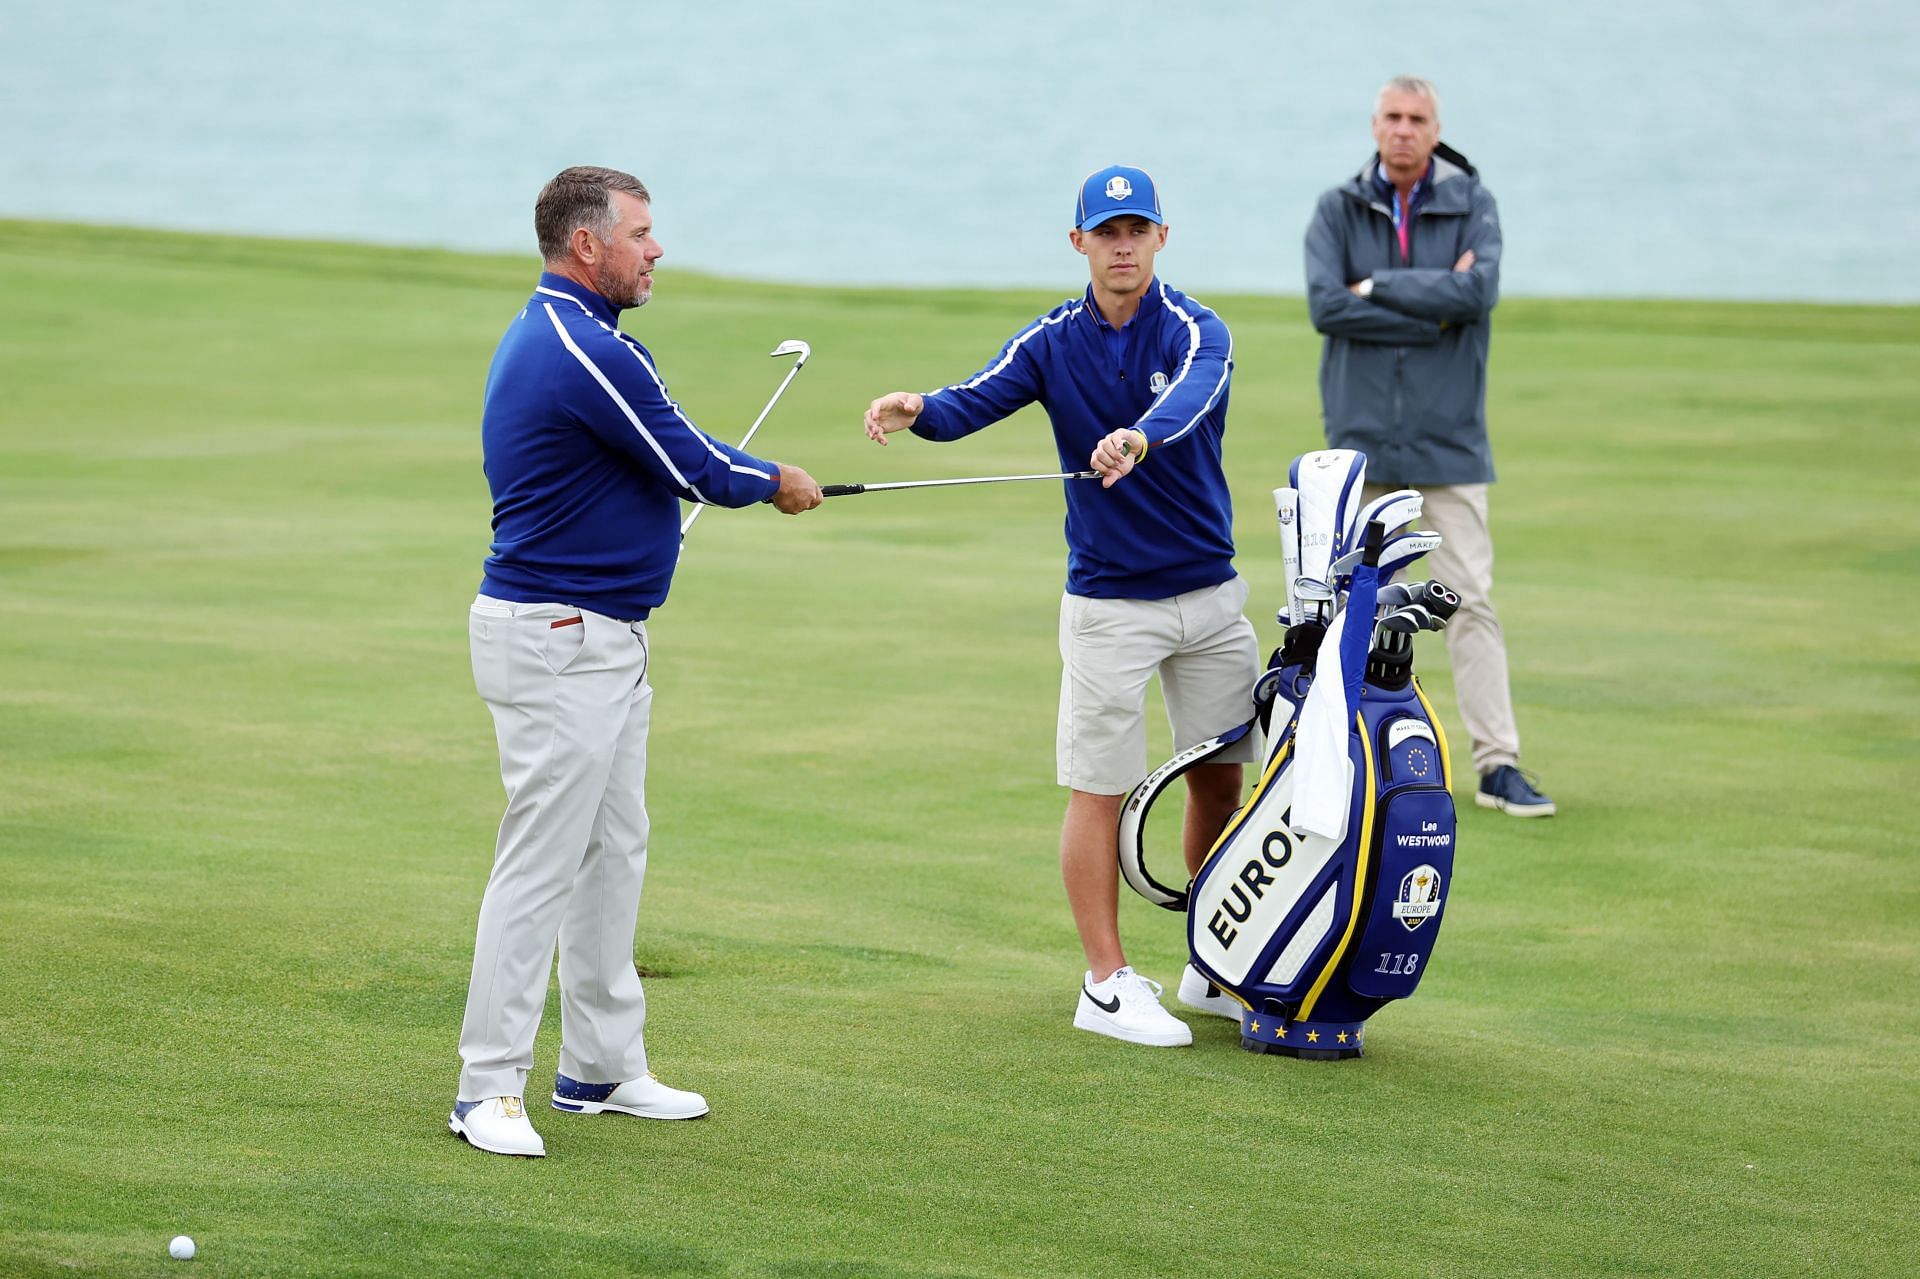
<point>1085,1019</point>
<point>459,1130</point>
<point>568,1107</point>
<point>1515,810</point>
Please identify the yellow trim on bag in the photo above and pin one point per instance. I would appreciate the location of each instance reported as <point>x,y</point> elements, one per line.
<point>1365,847</point>
<point>1239,819</point>
<point>1440,735</point>
<point>1234,823</point>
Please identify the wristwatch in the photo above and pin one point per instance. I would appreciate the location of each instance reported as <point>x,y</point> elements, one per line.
<point>1364,288</point>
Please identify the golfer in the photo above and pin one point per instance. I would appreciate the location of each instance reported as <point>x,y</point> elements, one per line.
<point>587,458</point>
<point>1133,375</point>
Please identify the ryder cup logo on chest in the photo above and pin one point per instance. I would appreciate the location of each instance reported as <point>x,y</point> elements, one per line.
<point>1158,382</point>
<point>1118,188</point>
<point>1419,897</point>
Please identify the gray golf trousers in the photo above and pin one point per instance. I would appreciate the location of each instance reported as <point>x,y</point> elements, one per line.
<point>1464,561</point>
<point>570,701</point>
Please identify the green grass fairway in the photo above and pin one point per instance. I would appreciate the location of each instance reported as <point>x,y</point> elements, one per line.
<point>249,801</point>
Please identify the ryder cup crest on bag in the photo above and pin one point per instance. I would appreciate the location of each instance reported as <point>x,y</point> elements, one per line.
<point>1322,899</point>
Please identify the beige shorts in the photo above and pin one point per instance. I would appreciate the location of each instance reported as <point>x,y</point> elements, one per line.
<point>1204,650</point>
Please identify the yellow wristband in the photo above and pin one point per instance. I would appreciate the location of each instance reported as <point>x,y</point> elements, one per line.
<point>1143,442</point>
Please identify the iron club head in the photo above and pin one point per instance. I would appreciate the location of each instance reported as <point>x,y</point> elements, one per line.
<point>793,346</point>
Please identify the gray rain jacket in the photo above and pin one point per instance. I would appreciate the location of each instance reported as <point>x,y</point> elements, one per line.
<point>1403,375</point>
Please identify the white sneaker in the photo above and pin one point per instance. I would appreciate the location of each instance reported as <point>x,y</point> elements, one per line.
<point>1127,1006</point>
<point>1199,993</point>
<point>646,1097</point>
<point>498,1125</point>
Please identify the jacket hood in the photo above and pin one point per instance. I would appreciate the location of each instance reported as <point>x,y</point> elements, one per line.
<point>1449,195</point>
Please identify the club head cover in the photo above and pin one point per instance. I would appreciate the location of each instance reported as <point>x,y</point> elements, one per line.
<point>1405,549</point>
<point>1328,483</point>
<point>1396,510</point>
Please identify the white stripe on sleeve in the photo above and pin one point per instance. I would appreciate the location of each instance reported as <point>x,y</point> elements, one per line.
<point>698,434</point>
<point>1186,366</point>
<point>1013,348</point>
<point>567,340</point>
<point>705,439</point>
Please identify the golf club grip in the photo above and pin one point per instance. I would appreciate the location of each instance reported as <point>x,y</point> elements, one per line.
<point>841,490</point>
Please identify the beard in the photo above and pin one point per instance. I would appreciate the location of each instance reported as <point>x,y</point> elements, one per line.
<point>628,294</point>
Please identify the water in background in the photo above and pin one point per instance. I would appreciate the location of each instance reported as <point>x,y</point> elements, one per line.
<point>1717,149</point>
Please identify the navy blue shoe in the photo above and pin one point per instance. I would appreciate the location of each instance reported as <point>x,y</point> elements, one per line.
<point>1512,791</point>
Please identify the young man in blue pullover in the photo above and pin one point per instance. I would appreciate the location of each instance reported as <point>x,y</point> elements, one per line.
<point>587,457</point>
<point>1134,376</point>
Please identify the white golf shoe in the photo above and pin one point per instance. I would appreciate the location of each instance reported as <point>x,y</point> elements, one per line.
<point>1127,1006</point>
<point>646,1097</point>
<point>497,1125</point>
<point>1198,993</point>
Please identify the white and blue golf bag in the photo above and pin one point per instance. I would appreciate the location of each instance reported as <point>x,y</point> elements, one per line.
<point>1322,899</point>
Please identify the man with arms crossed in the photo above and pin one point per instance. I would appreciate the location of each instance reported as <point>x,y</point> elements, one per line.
<point>1134,376</point>
<point>1403,270</point>
<point>587,458</point>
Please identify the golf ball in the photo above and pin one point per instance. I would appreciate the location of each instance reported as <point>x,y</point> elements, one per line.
<point>181,1249</point>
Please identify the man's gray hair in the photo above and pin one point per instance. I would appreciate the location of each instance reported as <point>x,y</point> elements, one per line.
<point>580,197</point>
<point>1410,84</point>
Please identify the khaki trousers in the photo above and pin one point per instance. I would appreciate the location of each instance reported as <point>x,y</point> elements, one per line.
<point>1464,561</point>
<point>570,705</point>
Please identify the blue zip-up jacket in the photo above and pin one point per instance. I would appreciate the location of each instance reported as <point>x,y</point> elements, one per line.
<point>1167,527</point>
<point>587,457</point>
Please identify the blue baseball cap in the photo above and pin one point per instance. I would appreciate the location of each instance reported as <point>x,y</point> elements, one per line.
<point>1115,191</point>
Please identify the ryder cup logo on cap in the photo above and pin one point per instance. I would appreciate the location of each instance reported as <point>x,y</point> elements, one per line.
<point>1116,191</point>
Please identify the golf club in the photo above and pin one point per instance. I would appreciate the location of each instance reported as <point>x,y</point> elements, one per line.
<point>1432,605</point>
<point>1433,595</point>
<point>1314,598</point>
<point>849,490</point>
<point>792,346</point>
<point>1399,552</point>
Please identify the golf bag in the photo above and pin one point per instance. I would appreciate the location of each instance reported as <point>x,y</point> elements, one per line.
<point>1322,898</point>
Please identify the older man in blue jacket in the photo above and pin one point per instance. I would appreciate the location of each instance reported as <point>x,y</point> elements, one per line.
<point>588,458</point>
<point>1403,270</point>
<point>1133,376</point>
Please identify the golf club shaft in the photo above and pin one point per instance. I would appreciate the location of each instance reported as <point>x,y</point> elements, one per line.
<point>849,490</point>
<point>747,439</point>
<point>777,393</point>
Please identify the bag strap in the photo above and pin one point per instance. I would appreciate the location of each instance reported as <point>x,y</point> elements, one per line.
<point>1133,816</point>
